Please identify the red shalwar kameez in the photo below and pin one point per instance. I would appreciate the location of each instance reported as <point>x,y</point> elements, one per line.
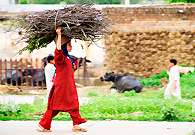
<point>63,95</point>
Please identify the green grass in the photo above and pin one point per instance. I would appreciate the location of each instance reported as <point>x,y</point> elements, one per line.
<point>187,83</point>
<point>144,106</point>
<point>127,106</point>
<point>138,108</point>
<point>154,80</point>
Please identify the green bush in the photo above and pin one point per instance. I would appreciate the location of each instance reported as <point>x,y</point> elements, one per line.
<point>149,82</point>
<point>130,93</point>
<point>184,1</point>
<point>160,94</point>
<point>71,1</point>
<point>187,92</point>
<point>154,79</point>
<point>10,109</point>
<point>92,94</point>
<point>187,83</point>
<point>170,114</point>
<point>135,1</point>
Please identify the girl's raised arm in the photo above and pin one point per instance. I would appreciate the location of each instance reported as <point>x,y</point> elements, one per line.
<point>58,44</point>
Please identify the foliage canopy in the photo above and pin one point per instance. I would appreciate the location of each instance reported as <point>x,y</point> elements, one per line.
<point>184,1</point>
<point>70,1</point>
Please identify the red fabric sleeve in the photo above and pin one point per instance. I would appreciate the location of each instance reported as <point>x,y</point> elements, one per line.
<point>75,62</point>
<point>59,58</point>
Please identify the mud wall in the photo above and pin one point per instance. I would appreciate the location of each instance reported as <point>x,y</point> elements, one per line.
<point>143,40</point>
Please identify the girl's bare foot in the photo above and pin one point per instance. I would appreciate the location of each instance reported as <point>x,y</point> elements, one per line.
<point>76,128</point>
<point>42,129</point>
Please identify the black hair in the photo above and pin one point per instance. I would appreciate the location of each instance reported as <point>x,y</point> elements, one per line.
<point>67,42</point>
<point>173,61</point>
<point>50,58</point>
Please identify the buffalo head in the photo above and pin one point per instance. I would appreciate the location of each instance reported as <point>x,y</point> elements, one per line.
<point>109,76</point>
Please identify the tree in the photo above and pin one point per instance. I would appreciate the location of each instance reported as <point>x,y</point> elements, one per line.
<point>46,1</point>
<point>90,1</point>
<point>71,1</point>
<point>38,1</point>
<point>135,1</point>
<point>184,1</point>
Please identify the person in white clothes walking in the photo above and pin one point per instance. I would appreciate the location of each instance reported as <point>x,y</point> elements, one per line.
<point>49,73</point>
<point>173,87</point>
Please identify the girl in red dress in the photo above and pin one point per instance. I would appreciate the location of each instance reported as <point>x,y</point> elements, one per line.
<point>63,95</point>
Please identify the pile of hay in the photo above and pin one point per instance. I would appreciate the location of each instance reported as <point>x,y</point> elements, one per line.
<point>81,21</point>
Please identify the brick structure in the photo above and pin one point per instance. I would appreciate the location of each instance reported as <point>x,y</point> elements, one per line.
<point>143,39</point>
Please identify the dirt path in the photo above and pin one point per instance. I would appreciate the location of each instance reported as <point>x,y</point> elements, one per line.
<point>114,127</point>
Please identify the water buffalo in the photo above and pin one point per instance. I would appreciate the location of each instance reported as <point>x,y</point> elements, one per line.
<point>37,74</point>
<point>15,75</point>
<point>123,82</point>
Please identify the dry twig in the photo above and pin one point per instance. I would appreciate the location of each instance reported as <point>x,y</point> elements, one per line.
<point>82,22</point>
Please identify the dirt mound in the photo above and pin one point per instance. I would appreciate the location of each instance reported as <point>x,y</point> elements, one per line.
<point>6,89</point>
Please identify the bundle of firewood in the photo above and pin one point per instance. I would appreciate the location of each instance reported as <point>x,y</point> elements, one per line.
<point>83,22</point>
